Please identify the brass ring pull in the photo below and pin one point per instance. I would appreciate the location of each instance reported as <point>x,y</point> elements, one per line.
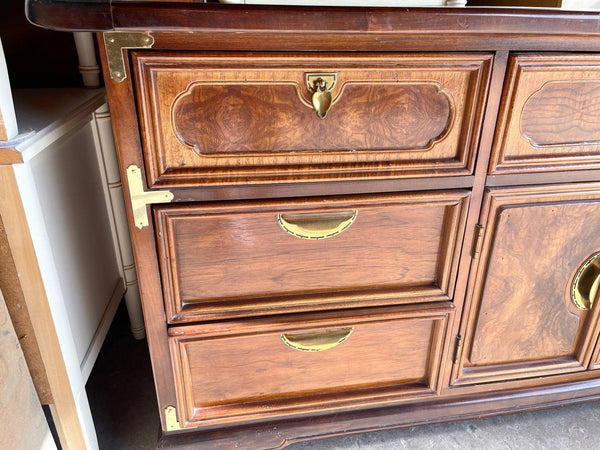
<point>584,287</point>
<point>318,225</point>
<point>316,342</point>
<point>321,85</point>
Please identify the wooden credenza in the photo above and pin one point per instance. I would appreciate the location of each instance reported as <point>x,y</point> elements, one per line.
<point>349,219</point>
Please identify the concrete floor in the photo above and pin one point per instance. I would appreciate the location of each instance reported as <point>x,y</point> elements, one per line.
<point>121,394</point>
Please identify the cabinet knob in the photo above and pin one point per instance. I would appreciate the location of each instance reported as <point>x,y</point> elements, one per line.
<point>316,225</point>
<point>317,341</point>
<point>584,287</point>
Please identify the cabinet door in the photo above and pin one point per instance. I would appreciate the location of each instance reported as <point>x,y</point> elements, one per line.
<point>521,320</point>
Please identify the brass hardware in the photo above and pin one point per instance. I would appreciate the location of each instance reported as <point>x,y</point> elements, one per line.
<point>478,241</point>
<point>115,42</point>
<point>458,349</point>
<point>171,419</point>
<point>317,342</point>
<point>140,199</point>
<point>318,225</point>
<point>321,85</point>
<point>584,287</point>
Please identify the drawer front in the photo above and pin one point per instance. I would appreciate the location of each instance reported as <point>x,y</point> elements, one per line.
<point>550,118</point>
<point>242,119</point>
<point>259,369</point>
<point>238,259</point>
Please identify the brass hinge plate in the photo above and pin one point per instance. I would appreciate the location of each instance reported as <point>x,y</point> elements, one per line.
<point>140,199</point>
<point>171,419</point>
<point>458,349</point>
<point>115,42</point>
<point>478,241</point>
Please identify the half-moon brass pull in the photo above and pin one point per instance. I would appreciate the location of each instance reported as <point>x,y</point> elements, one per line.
<point>318,225</point>
<point>586,282</point>
<point>317,341</point>
<point>321,85</point>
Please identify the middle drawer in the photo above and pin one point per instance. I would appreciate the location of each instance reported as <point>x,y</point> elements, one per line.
<point>255,258</point>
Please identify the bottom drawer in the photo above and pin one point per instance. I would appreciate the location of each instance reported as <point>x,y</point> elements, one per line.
<point>257,369</point>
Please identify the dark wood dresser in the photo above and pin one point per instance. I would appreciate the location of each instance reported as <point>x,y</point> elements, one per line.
<point>350,219</point>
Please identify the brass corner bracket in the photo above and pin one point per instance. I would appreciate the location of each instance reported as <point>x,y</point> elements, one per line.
<point>140,199</point>
<point>115,42</point>
<point>171,419</point>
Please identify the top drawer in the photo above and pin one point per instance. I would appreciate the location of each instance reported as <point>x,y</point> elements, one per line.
<point>210,119</point>
<point>550,115</point>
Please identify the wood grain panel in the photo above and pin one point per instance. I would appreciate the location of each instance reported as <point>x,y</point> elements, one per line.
<point>399,351</point>
<point>563,113</point>
<point>550,116</point>
<point>240,119</point>
<point>245,119</point>
<point>231,260</point>
<point>522,322</point>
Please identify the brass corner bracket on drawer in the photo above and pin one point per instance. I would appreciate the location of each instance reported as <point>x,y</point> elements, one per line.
<point>115,42</point>
<point>140,199</point>
<point>171,419</point>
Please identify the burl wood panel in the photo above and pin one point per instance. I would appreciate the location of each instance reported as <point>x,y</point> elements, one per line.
<point>237,119</point>
<point>248,118</point>
<point>231,260</point>
<point>521,320</point>
<point>550,118</point>
<point>245,371</point>
<point>571,114</point>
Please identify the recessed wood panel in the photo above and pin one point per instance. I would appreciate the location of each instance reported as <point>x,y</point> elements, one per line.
<point>249,119</point>
<point>232,260</point>
<point>522,321</point>
<point>550,119</point>
<point>223,373</point>
<point>239,119</point>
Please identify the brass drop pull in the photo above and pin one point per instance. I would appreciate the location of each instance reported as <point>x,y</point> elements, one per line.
<point>321,85</point>
<point>584,288</point>
<point>316,341</point>
<point>317,225</point>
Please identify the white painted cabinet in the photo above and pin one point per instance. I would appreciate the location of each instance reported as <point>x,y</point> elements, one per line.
<point>69,193</point>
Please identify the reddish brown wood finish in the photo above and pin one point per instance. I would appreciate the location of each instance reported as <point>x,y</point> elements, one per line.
<point>240,119</point>
<point>220,261</point>
<point>550,117</point>
<point>328,28</point>
<point>249,119</point>
<point>596,359</point>
<point>403,343</point>
<point>522,322</point>
<point>506,380</point>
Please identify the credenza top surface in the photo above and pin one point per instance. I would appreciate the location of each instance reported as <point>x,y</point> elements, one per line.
<point>179,15</point>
